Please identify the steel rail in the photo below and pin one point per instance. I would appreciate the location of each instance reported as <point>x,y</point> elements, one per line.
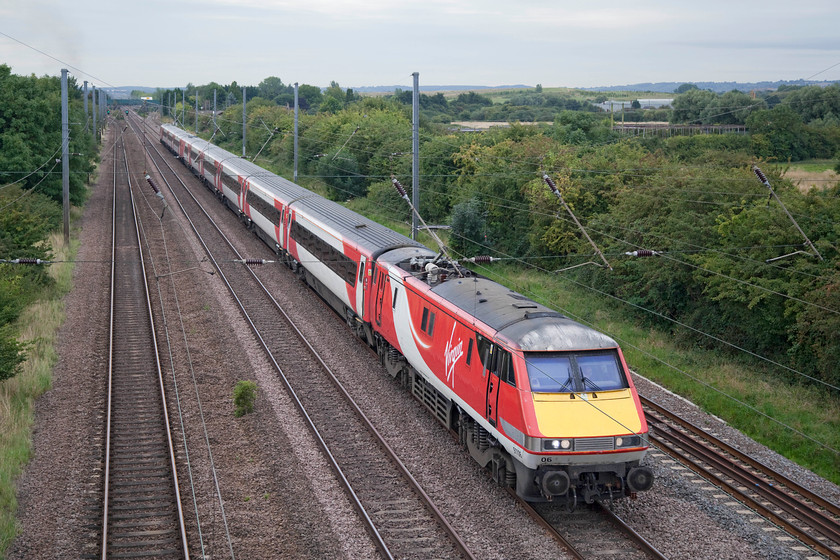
<point>817,499</point>
<point>632,533</point>
<point>545,524</point>
<point>744,481</point>
<point>110,383</point>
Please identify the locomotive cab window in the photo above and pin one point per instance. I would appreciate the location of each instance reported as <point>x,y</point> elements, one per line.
<point>574,372</point>
<point>504,367</point>
<point>495,359</point>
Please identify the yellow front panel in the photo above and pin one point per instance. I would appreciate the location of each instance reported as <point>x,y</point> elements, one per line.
<point>611,413</point>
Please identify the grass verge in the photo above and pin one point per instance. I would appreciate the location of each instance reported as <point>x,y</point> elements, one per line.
<point>38,325</point>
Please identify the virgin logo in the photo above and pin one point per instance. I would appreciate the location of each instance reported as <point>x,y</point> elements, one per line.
<point>452,355</point>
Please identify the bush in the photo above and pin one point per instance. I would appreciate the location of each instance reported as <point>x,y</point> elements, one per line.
<point>244,395</point>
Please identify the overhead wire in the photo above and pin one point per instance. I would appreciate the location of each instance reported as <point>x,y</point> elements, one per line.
<point>56,59</point>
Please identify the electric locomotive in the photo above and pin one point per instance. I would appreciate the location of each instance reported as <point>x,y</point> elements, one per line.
<point>546,404</point>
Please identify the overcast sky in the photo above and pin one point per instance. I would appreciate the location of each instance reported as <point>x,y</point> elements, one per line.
<point>453,42</point>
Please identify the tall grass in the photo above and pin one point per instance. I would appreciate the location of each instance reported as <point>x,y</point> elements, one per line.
<point>38,325</point>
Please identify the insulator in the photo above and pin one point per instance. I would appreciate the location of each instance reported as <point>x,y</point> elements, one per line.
<point>759,174</point>
<point>399,188</point>
<point>152,184</point>
<point>642,253</point>
<point>481,259</point>
<point>550,183</point>
<point>253,262</point>
<point>28,261</point>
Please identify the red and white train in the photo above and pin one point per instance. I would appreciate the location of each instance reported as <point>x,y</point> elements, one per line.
<point>545,403</point>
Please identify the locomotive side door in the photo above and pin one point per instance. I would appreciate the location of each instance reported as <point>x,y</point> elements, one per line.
<point>489,354</point>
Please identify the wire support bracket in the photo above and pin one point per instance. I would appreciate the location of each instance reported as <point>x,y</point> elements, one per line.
<point>556,191</point>
<point>763,178</point>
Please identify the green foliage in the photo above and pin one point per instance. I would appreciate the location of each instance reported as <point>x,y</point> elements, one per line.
<point>468,228</point>
<point>732,107</point>
<point>12,353</point>
<point>30,135</point>
<point>694,199</point>
<point>701,148</point>
<point>778,133</point>
<point>690,106</point>
<point>815,103</point>
<point>439,173</point>
<point>25,224</point>
<point>244,395</point>
<point>684,88</point>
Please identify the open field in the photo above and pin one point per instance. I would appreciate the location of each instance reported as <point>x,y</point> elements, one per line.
<point>815,173</point>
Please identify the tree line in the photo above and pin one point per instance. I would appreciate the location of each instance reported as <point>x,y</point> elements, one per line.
<point>31,190</point>
<point>693,201</point>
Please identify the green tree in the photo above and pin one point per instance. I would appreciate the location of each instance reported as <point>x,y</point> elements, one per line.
<point>689,106</point>
<point>733,107</point>
<point>309,97</point>
<point>469,228</point>
<point>815,103</point>
<point>30,134</point>
<point>778,133</point>
<point>271,88</point>
<point>685,88</point>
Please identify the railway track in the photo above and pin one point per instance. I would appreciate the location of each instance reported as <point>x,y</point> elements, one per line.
<point>592,532</point>
<point>141,511</point>
<point>401,519</point>
<point>802,514</point>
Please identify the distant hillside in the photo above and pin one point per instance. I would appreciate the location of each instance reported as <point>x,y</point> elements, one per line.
<point>124,92</point>
<point>391,89</point>
<point>717,87</point>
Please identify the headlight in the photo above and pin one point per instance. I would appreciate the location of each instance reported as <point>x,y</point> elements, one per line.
<point>557,444</point>
<point>631,441</point>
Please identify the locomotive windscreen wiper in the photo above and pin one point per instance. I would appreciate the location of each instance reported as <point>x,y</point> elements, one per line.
<point>568,380</point>
<point>594,385</point>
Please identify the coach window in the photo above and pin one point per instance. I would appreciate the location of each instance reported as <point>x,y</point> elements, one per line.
<point>469,351</point>
<point>427,324</point>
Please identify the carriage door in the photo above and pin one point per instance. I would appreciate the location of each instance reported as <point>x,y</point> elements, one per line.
<point>360,287</point>
<point>489,355</point>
